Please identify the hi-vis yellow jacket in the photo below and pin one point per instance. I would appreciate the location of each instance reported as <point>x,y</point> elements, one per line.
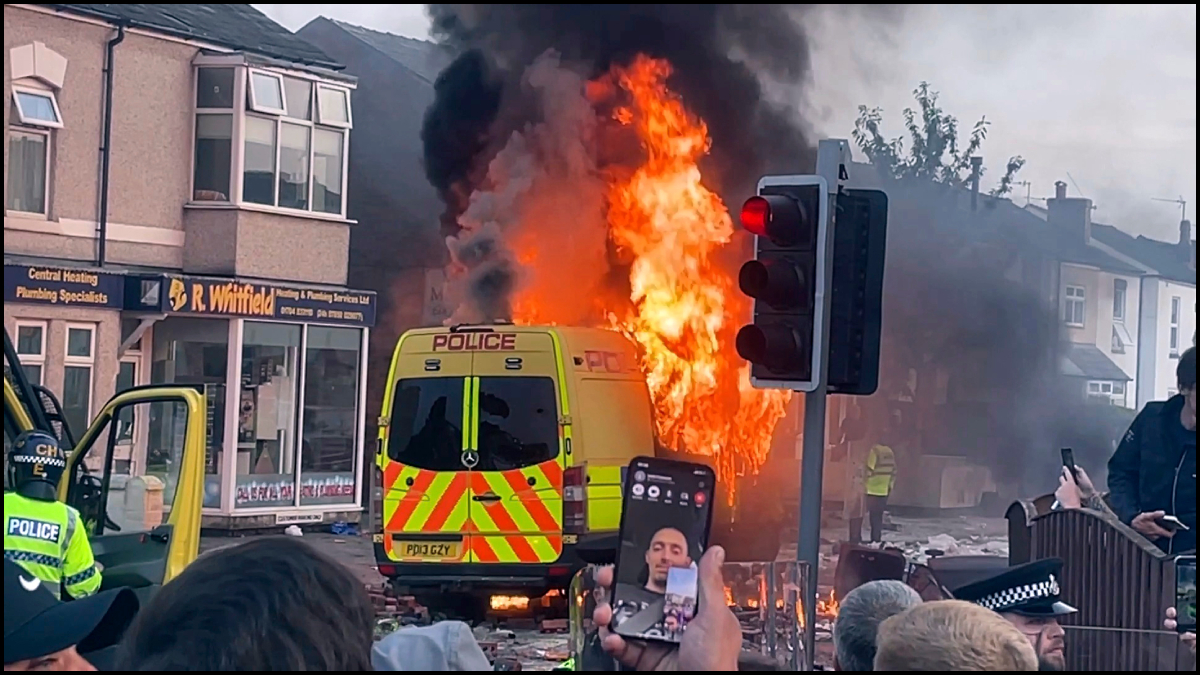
<point>49,539</point>
<point>881,471</point>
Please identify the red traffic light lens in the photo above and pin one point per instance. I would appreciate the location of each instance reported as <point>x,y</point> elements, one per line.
<point>756,213</point>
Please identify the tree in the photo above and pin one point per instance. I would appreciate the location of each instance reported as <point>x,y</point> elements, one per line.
<point>934,152</point>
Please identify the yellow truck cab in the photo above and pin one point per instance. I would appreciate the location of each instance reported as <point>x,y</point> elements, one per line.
<point>501,454</point>
<point>144,529</point>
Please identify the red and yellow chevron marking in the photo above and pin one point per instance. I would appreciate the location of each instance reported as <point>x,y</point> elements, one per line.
<point>435,503</point>
<point>523,526</point>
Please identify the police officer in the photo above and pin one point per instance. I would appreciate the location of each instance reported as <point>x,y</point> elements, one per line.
<point>1028,596</point>
<point>45,536</point>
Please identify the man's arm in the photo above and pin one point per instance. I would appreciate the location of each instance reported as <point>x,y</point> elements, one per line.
<point>81,577</point>
<point>1124,469</point>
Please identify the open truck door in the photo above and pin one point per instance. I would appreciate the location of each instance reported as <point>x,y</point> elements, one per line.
<point>143,520</point>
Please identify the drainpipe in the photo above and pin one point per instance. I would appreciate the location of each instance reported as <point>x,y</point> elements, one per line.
<point>105,147</point>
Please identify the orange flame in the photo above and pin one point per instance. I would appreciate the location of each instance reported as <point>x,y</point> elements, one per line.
<point>828,607</point>
<point>685,309</point>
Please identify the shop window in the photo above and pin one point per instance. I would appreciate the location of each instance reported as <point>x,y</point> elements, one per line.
<point>266,427</point>
<point>331,393</point>
<point>31,350</point>
<point>194,352</point>
<point>78,369</point>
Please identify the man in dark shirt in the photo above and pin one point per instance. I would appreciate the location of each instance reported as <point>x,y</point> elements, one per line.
<point>1153,472</point>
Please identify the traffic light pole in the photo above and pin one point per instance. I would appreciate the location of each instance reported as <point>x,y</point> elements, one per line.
<point>833,161</point>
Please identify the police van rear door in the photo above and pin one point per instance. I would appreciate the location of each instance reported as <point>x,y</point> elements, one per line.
<point>517,478</point>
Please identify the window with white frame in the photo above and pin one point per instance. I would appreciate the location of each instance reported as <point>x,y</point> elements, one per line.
<point>1118,345</point>
<point>1176,308</point>
<point>283,144</point>
<point>1120,291</point>
<point>27,190</point>
<point>1074,305</point>
<point>34,115</point>
<point>78,371</point>
<point>31,350</point>
<point>1106,389</point>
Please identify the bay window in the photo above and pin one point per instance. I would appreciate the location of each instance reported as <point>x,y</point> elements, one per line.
<point>270,138</point>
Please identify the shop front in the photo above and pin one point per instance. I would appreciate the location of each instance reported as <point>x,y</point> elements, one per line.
<point>283,368</point>
<point>284,371</point>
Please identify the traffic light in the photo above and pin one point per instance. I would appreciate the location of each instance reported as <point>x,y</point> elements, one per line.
<point>786,280</point>
<point>856,291</point>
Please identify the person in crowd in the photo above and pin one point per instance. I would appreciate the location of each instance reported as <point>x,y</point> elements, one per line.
<point>45,536</point>
<point>443,646</point>
<point>269,604</point>
<point>43,633</point>
<point>1153,472</point>
<point>713,640</point>
<point>951,635</point>
<point>1188,638</point>
<point>859,616</point>
<point>1028,597</point>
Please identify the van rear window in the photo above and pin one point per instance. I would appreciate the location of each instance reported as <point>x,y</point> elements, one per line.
<point>518,422</point>
<point>426,423</point>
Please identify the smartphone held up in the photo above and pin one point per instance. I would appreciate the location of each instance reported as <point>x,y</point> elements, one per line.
<point>665,520</point>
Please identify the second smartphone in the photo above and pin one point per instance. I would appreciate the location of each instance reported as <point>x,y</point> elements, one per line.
<point>666,516</point>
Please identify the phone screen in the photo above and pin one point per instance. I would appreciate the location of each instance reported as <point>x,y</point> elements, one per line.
<point>1068,460</point>
<point>1185,593</point>
<point>665,520</point>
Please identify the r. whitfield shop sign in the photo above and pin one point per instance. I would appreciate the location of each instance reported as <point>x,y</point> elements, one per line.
<point>63,286</point>
<point>231,297</point>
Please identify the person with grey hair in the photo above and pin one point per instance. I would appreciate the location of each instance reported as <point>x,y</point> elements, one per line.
<point>859,616</point>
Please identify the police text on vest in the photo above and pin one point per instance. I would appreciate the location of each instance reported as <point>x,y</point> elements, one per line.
<point>33,529</point>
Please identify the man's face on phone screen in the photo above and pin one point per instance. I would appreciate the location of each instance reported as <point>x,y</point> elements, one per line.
<point>668,548</point>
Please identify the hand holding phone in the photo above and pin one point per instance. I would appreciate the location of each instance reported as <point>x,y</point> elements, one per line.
<point>1068,460</point>
<point>1185,594</point>
<point>665,520</point>
<point>1171,523</point>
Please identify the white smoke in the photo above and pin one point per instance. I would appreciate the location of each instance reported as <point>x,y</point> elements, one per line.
<point>537,226</point>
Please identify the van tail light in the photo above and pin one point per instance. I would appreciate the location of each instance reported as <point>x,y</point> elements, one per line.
<point>575,500</point>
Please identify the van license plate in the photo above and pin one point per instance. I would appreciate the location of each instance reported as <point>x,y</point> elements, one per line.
<point>428,550</point>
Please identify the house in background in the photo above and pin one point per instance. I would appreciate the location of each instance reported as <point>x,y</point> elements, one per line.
<point>395,247</point>
<point>195,234</point>
<point>1139,310</point>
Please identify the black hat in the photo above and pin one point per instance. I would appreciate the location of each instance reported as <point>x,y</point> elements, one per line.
<point>1030,590</point>
<point>37,624</point>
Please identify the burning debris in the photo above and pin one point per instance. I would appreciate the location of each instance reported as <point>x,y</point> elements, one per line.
<point>579,188</point>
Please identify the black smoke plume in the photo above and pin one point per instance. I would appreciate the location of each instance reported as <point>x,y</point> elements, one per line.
<point>720,54</point>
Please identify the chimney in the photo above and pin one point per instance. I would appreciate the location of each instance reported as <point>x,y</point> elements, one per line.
<point>976,170</point>
<point>1073,214</point>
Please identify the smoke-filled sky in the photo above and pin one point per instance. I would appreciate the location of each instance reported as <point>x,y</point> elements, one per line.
<point>1104,93</point>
